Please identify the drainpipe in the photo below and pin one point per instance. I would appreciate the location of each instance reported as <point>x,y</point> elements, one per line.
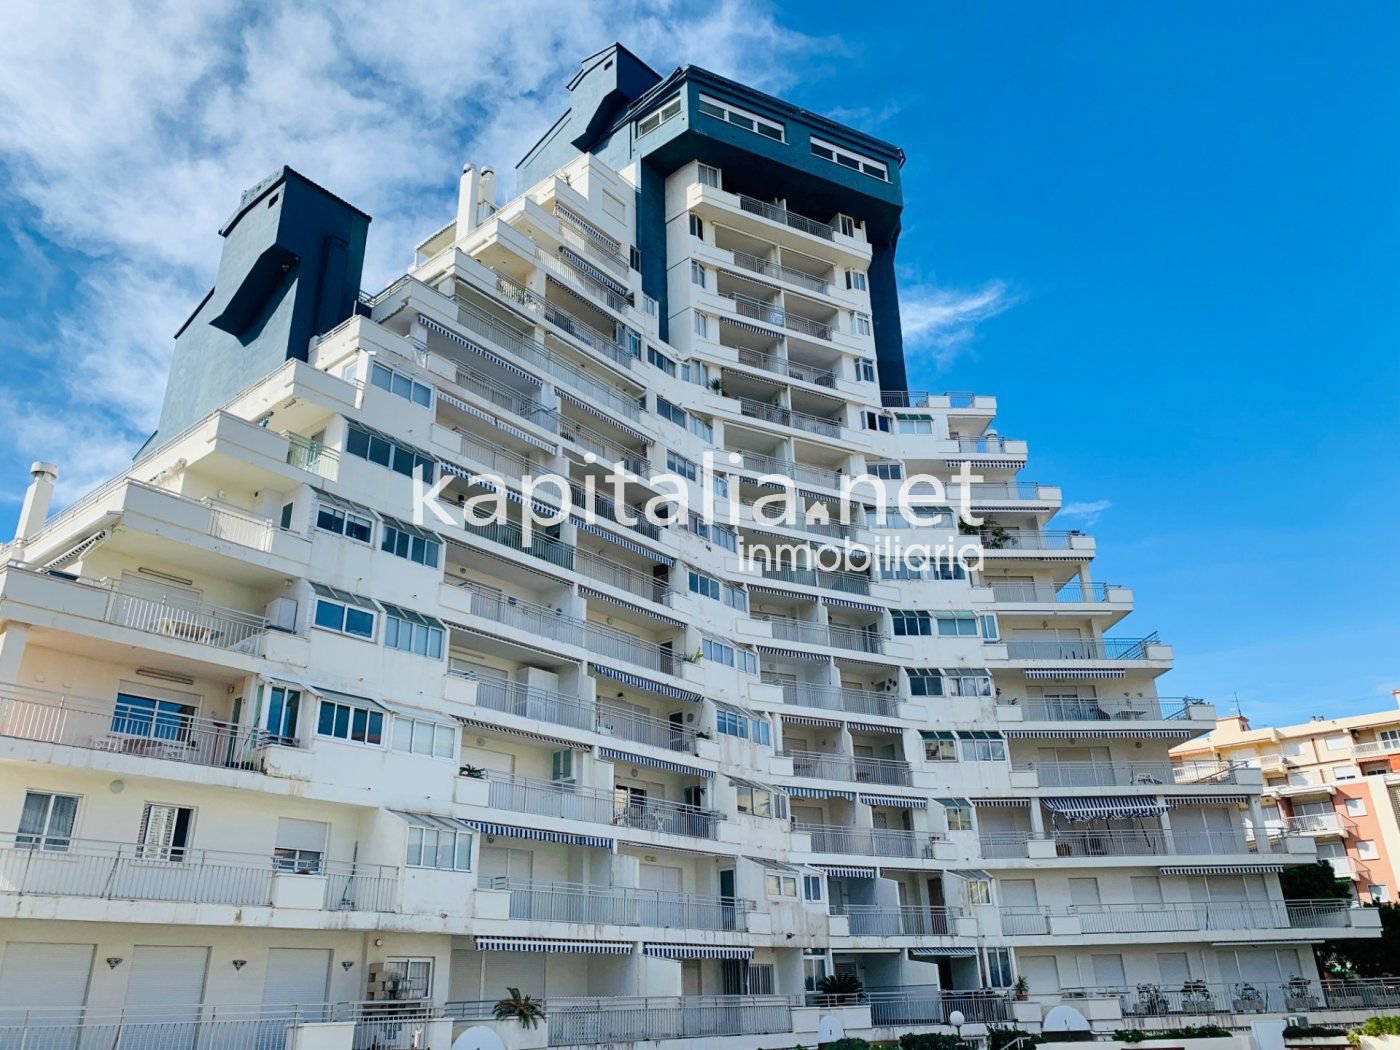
<point>36,502</point>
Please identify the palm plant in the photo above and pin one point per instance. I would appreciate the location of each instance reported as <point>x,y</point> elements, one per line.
<point>523,1008</point>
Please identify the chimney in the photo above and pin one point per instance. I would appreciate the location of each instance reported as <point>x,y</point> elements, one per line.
<point>36,500</point>
<point>468,193</point>
<point>486,197</point>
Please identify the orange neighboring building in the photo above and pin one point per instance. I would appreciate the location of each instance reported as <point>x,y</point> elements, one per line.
<point>1335,779</point>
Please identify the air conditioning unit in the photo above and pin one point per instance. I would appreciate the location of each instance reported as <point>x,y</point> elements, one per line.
<point>281,614</point>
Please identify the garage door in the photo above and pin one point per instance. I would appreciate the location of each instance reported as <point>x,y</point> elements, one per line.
<point>47,983</point>
<point>164,990</point>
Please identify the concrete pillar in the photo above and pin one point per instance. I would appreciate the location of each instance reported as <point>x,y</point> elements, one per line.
<point>12,643</point>
<point>1168,843</point>
<point>1037,819</point>
<point>1256,818</point>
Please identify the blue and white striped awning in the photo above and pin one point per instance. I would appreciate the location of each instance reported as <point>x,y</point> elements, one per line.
<point>613,755</point>
<point>900,801</point>
<point>1073,673</point>
<point>511,831</point>
<point>1221,869</point>
<point>876,727</point>
<point>545,944</point>
<point>626,544</point>
<point>791,654</point>
<point>1065,734</point>
<point>1109,807</point>
<point>747,327</point>
<point>594,274</point>
<point>846,871</point>
<point>485,726</point>
<point>808,720</point>
<point>462,341</point>
<point>846,603</point>
<point>590,592</point>
<point>1001,803</point>
<point>942,953</point>
<point>1176,801</point>
<point>806,792</point>
<point>695,951</point>
<point>500,637</point>
<point>647,685</point>
<point>594,410</point>
<point>573,217</point>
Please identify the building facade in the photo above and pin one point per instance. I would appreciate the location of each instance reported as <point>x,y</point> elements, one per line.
<point>290,738</point>
<point>1336,780</point>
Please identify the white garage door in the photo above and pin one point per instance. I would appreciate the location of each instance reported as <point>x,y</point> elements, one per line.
<point>47,983</point>
<point>297,976</point>
<point>164,989</point>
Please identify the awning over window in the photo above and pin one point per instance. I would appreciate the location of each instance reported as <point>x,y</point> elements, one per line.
<point>846,603</point>
<point>1221,869</point>
<point>640,610</point>
<point>806,792</point>
<point>330,499</point>
<point>1111,807</point>
<point>647,685</point>
<point>942,953</point>
<point>970,874</point>
<point>807,720</point>
<point>876,727</point>
<point>1071,674</point>
<point>427,820</point>
<point>789,654</point>
<point>462,341</point>
<point>1002,803</point>
<point>846,871</point>
<point>695,951</point>
<point>612,755</point>
<point>594,274</point>
<point>624,543</point>
<point>898,801</point>
<point>511,831</point>
<point>542,944</point>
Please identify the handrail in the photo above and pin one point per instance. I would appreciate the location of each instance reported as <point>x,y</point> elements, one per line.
<point>1070,709</point>
<point>785,366</point>
<point>546,901</point>
<point>1081,649</point>
<point>747,306</point>
<point>570,801</point>
<point>626,724</point>
<point>755,264</point>
<point>850,768</point>
<point>563,320</point>
<point>787,417</point>
<point>839,698</point>
<point>764,464</point>
<point>1111,774</point>
<point>789,218</point>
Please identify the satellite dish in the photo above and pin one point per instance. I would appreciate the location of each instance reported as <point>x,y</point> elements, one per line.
<point>830,1029</point>
<point>478,1037</point>
<point>1064,1019</point>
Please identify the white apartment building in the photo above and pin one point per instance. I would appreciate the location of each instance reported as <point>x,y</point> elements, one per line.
<point>274,757</point>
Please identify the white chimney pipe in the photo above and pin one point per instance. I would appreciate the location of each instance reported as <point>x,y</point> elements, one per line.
<point>36,500</point>
<point>468,193</point>
<point>487,195</point>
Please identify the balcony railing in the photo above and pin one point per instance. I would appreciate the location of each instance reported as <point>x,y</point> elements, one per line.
<point>925,399</point>
<point>788,418</point>
<point>63,867</point>
<point>1145,709</point>
<point>1313,824</point>
<point>576,272</point>
<point>1176,917</point>
<point>1048,594</point>
<point>564,321</point>
<point>747,306</point>
<point>238,526</point>
<point>787,218</point>
<point>867,842</point>
<point>839,698</point>
<point>199,622</point>
<point>621,906</point>
<point>1297,995</point>
<point>758,463</point>
<point>1376,747</point>
<point>604,1021</point>
<point>1117,843</point>
<point>553,798</point>
<point>312,456</point>
<point>861,639</point>
<point>541,704</point>
<point>875,920</point>
<point>626,724</point>
<point>1028,540</point>
<point>1122,774</point>
<point>87,722</point>
<point>784,366</point>
<point>822,766</point>
<point>755,264</point>
<point>837,580</point>
<point>927,1005</point>
<point>623,577</point>
<point>509,534</point>
<point>1080,649</point>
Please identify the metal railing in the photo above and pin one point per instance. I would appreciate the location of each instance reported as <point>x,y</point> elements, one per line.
<point>1049,594</point>
<point>755,264</point>
<point>623,577</point>
<point>1295,995</point>
<point>747,306</point>
<point>1027,540</point>
<point>94,724</point>
<point>621,906</point>
<point>1313,824</point>
<point>525,407</point>
<point>599,1021</point>
<point>788,218</point>
<point>1116,774</point>
<point>876,920</point>
<point>925,399</point>
<point>626,724</point>
<point>833,580</point>
<point>986,444</point>
<point>517,699</point>
<point>928,1005</point>
<point>847,768</point>
<point>236,525</point>
<point>1083,709</point>
<point>593,241</point>
<point>563,320</point>
<point>1117,843</point>
<point>867,842</point>
<point>839,698</point>
<point>578,277</point>
<point>312,456</point>
<point>783,366</point>
<point>770,413</point>
<point>1080,649</point>
<point>554,798</point>
<point>861,639</point>
<point>200,622</point>
<point>1172,917</point>
<point>762,464</point>
<point>493,456</point>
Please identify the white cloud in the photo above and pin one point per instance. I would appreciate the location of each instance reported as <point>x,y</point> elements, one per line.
<point>940,323</point>
<point>132,128</point>
<point>1087,512</point>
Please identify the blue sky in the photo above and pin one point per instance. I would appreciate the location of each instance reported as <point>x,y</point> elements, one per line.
<point>1165,236</point>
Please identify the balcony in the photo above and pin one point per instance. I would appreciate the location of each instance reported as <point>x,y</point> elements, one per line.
<point>1048,594</point>
<point>799,278</point>
<point>861,639</point>
<point>1187,917</point>
<point>312,456</point>
<point>509,534</point>
<point>758,463</point>
<point>836,580</point>
<point>622,906</point>
<point>1144,709</point>
<point>1376,747</point>
<point>874,920</point>
<point>788,418</point>
<point>928,1005</point>
<point>1321,824</point>
<point>787,218</point>
<point>758,310</point>
<point>819,766</point>
<point>626,724</point>
<point>783,366</point>
<point>562,799</point>
<point>1031,540</point>
<point>1115,649</point>
<point>580,331</point>
<point>599,1021</point>
<point>867,842</point>
<point>1125,774</point>
<point>513,698</point>
<point>127,871</point>
<point>839,698</point>
<point>1139,842</point>
<point>93,724</point>
<point>952,399</point>
<point>1292,996</point>
<point>579,274</point>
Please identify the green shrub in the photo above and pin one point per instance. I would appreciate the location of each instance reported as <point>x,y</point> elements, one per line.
<point>1312,1031</point>
<point>928,1041</point>
<point>1082,1036</point>
<point>1137,1035</point>
<point>1387,1025</point>
<point>999,1036</point>
<point>849,1043</point>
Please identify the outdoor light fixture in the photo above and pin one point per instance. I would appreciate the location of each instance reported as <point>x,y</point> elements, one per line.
<point>113,961</point>
<point>238,964</point>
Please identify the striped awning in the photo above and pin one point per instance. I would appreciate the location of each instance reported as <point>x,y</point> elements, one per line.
<point>1221,869</point>
<point>462,341</point>
<point>544,738</point>
<point>647,685</point>
<point>846,871</point>
<point>79,549</point>
<point>790,654</point>
<point>513,831</point>
<point>808,720</point>
<point>1124,734</point>
<point>573,217</point>
<point>876,727</point>
<point>590,592</point>
<point>970,874</point>
<point>942,953</point>
<point>745,326</point>
<point>846,603</point>
<point>901,801</point>
<point>613,755</point>
<point>600,413</point>
<point>500,639</point>
<point>1001,803</point>
<point>623,542</point>
<point>514,431</point>
<point>1176,801</point>
<point>806,792</point>
<point>1109,807</point>
<point>1075,673</point>
<point>593,273</point>
<point>546,944</point>
<point>428,820</point>
<point>695,951</point>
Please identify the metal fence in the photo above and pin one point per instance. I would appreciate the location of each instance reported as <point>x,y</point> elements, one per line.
<point>621,906</point>
<point>590,1022</point>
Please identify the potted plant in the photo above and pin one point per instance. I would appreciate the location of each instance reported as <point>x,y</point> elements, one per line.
<point>523,1008</point>
<point>475,772</point>
<point>1021,989</point>
<point>717,385</point>
<point>1247,1000</point>
<point>841,987</point>
<point>1298,994</point>
<point>1150,1000</point>
<point>1196,997</point>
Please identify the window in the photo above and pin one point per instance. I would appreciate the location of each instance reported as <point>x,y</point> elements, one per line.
<point>999,968</point>
<point>411,542</point>
<point>875,421</point>
<point>860,323</point>
<point>347,719</point>
<point>959,815</point>
<point>443,847</point>
<point>850,159</point>
<point>968,681</point>
<point>979,891</point>
<point>1366,849</point>
<point>760,802</point>
<point>412,632</point>
<point>678,464</point>
<point>740,118</point>
<point>301,846</point>
<point>909,623</point>
<point>887,471</point>
<point>165,832</point>
<point>846,225</point>
<point>957,625</point>
<point>1378,892</point>
<point>397,383</point>
<point>1356,807</point>
<point>659,360</point>
<point>283,706</point>
<point>702,429</point>
<point>344,518</point>
<point>915,424</point>
<point>981,746</point>
<point>702,325</point>
<point>990,631</point>
<point>285,521</point>
<point>379,448</point>
<point>697,273</point>
<point>1389,738</point>
<point>420,737</point>
<point>865,371</point>
<point>46,821</point>
<point>782,885</point>
<point>697,226</point>
<point>813,969</point>
<point>346,613</point>
<point>653,120</point>
<point>855,280</point>
<point>925,681</point>
<point>724,653</point>
<point>709,176</point>
<point>1337,742</point>
<point>704,585</point>
<point>154,719</point>
<point>940,747</point>
<point>811,887</point>
<point>1345,772</point>
<point>669,412</point>
<point>561,765</point>
<point>412,978</point>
